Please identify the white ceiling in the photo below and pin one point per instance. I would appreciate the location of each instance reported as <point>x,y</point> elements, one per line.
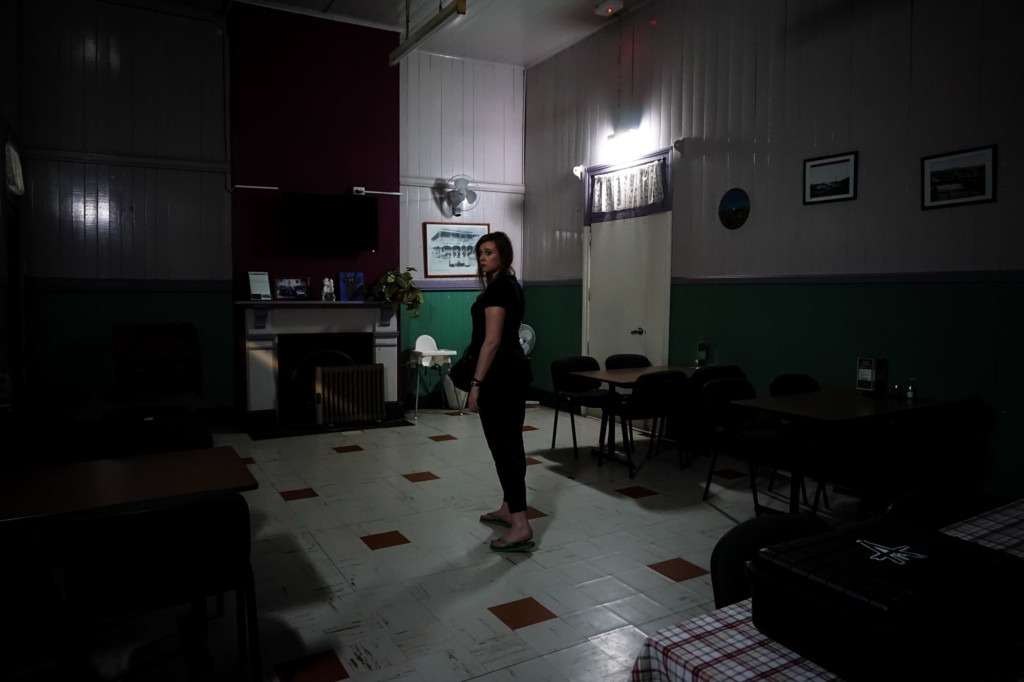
<point>518,32</point>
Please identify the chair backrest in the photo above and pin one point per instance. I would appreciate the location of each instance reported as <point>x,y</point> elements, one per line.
<point>788,384</point>
<point>626,361</point>
<point>703,375</point>
<point>656,394</point>
<point>563,380</point>
<point>719,394</point>
<point>425,342</point>
<point>742,543</point>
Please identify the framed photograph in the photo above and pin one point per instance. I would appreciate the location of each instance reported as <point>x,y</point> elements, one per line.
<point>964,177</point>
<point>449,249</point>
<point>352,286</point>
<point>291,288</point>
<point>830,178</point>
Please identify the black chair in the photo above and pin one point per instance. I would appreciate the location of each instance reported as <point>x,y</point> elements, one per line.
<point>791,384</point>
<point>625,361</point>
<point>742,543</point>
<point>152,559</point>
<point>656,396</point>
<point>743,433</point>
<point>572,392</point>
<point>695,431</point>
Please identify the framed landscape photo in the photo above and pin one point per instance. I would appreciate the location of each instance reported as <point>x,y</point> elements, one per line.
<point>830,178</point>
<point>956,178</point>
<point>449,249</point>
<point>291,288</point>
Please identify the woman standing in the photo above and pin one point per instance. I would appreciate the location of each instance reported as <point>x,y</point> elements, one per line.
<point>498,389</point>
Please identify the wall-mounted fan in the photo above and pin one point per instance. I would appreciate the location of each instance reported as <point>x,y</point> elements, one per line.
<point>527,338</point>
<point>461,194</point>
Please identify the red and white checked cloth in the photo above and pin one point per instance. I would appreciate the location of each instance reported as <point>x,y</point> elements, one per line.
<point>725,645</point>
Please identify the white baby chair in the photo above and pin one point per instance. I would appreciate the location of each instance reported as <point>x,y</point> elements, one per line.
<point>427,354</point>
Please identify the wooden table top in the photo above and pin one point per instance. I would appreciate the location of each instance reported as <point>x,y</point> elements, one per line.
<point>99,484</point>
<point>627,377</point>
<point>835,404</point>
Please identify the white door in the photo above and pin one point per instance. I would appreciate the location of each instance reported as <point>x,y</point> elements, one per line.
<point>627,270</point>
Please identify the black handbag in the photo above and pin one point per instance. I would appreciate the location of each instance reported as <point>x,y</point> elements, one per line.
<point>462,371</point>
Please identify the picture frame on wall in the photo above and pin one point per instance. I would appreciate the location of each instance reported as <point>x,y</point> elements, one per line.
<point>967,176</point>
<point>449,249</point>
<point>830,178</point>
<point>291,288</point>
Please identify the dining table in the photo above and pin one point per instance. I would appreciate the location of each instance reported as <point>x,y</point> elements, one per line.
<point>814,413</point>
<point>623,378</point>
<point>111,486</point>
<point>724,645</point>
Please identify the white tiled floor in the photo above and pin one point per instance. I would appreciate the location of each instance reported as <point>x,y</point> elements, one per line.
<point>420,611</point>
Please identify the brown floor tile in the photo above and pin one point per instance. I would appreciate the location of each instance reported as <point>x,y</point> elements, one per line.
<point>678,569</point>
<point>384,540</point>
<point>532,514</point>
<point>519,614</point>
<point>438,439</point>
<point>729,473</point>
<point>248,460</point>
<point>527,427</point>
<point>301,494</point>
<point>321,667</point>
<point>348,448</point>
<point>636,491</point>
<point>421,476</point>
<point>531,460</point>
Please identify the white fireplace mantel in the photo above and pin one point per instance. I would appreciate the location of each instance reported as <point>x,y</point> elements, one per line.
<point>265,321</point>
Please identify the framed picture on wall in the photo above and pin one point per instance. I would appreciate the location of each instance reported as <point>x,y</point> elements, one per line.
<point>830,178</point>
<point>955,178</point>
<point>449,249</point>
<point>291,288</point>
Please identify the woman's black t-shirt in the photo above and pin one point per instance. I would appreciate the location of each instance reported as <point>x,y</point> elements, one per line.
<point>510,361</point>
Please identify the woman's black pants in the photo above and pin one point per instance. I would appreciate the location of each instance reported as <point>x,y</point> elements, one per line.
<point>502,415</point>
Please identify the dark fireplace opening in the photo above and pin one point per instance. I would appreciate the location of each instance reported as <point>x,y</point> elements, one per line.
<point>298,356</point>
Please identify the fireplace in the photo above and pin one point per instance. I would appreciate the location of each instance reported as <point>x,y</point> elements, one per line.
<point>298,356</point>
<point>286,340</point>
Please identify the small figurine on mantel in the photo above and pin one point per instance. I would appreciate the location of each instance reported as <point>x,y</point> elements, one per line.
<point>329,289</point>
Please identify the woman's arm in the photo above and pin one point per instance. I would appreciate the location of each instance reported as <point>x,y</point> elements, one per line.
<point>494,322</point>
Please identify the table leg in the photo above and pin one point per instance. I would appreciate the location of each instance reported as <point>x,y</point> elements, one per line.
<point>795,484</point>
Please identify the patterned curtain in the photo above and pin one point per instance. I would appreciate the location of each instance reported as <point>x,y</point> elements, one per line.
<point>630,188</point>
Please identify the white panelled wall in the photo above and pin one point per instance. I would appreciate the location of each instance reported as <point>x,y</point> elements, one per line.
<point>460,117</point>
<point>752,88</point>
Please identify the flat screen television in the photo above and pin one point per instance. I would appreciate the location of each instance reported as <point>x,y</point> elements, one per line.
<point>328,224</point>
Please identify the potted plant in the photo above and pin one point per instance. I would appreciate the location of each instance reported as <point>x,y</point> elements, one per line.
<point>396,287</point>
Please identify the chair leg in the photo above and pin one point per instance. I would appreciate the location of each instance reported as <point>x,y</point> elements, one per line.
<point>572,424</point>
<point>711,472</point>
<point>554,429</point>
<point>752,468</point>
<point>416,407</point>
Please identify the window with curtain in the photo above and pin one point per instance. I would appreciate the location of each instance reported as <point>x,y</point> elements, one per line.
<point>629,191</point>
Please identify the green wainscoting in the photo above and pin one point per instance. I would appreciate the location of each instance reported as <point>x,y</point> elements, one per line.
<point>69,336</point>
<point>956,339</point>
<point>554,311</point>
<point>445,316</point>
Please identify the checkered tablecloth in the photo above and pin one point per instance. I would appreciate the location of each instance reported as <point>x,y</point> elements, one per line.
<point>725,646</point>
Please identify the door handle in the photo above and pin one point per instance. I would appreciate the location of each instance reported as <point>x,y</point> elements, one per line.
<point>639,331</point>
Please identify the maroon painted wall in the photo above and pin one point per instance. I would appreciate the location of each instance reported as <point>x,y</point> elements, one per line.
<point>314,108</point>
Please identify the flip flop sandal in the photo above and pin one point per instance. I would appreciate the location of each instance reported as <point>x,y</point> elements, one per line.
<point>521,546</point>
<point>494,520</point>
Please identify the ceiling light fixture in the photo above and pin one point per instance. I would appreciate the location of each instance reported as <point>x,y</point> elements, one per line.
<point>415,38</point>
